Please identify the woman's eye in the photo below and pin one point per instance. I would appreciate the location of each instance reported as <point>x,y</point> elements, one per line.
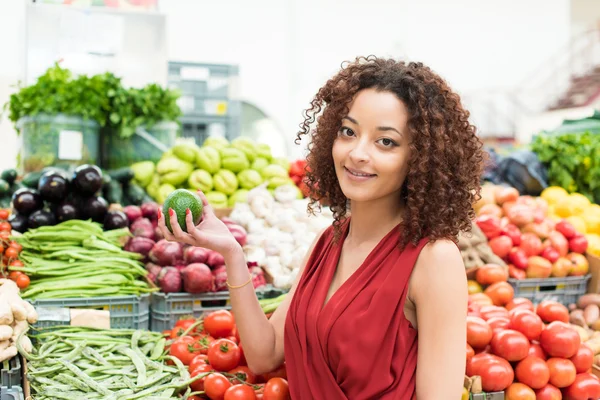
<point>346,131</point>
<point>388,142</point>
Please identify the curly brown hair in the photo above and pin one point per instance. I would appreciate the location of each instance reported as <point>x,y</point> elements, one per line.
<point>447,160</point>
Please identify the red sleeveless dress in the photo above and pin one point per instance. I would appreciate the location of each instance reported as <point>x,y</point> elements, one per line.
<point>360,344</point>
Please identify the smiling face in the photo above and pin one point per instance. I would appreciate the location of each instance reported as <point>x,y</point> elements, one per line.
<point>371,151</point>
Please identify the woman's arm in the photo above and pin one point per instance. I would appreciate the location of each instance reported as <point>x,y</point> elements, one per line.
<point>438,288</point>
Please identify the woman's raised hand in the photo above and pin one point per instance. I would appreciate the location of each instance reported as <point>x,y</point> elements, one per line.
<point>211,233</point>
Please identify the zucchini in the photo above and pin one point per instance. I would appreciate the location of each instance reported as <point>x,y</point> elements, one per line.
<point>4,201</point>
<point>113,192</point>
<point>123,175</point>
<point>9,175</point>
<point>135,194</point>
<point>4,187</point>
<point>31,179</point>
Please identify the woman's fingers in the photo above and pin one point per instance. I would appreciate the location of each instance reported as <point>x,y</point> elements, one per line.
<point>207,208</point>
<point>177,231</point>
<point>163,228</point>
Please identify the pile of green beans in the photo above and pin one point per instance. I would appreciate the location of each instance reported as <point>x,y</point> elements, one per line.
<point>75,363</point>
<point>78,259</point>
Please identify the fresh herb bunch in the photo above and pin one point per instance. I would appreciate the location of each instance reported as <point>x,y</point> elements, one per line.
<point>573,161</point>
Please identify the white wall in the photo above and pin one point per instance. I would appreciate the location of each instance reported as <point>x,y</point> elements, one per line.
<point>287,49</point>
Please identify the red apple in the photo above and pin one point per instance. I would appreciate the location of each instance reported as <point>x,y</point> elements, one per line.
<point>550,254</point>
<point>579,264</point>
<point>562,267</point>
<point>578,244</point>
<point>566,228</point>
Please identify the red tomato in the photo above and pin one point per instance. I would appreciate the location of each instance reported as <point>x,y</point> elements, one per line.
<point>4,214</point>
<point>536,350</point>
<point>585,387</point>
<point>470,353</point>
<point>491,273</point>
<point>204,342</point>
<point>233,339</point>
<point>181,326</point>
<point>519,391</point>
<point>548,392</point>
<point>533,372</point>
<point>516,273</point>
<point>198,385</point>
<point>22,281</point>
<point>242,356</point>
<point>520,302</point>
<point>496,373</point>
<point>224,355</point>
<point>550,311</point>
<point>219,323</point>
<point>528,323</point>
<point>479,333</point>
<point>562,372</point>
<point>235,333</point>
<point>560,340</point>
<point>510,345</point>
<point>501,293</point>
<point>215,386</point>
<point>583,359</point>
<point>194,397</point>
<point>185,349</point>
<point>480,299</point>
<point>4,235</point>
<point>5,226</point>
<point>280,372</point>
<point>488,312</point>
<point>243,375</point>
<point>276,389</point>
<point>498,324</point>
<point>198,361</point>
<point>11,253</point>
<point>240,392</point>
<point>13,275</point>
<point>16,246</point>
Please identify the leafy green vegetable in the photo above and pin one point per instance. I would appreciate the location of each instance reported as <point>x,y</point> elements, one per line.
<point>573,161</point>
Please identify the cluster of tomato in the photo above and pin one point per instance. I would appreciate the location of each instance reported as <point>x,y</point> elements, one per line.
<point>9,253</point>
<point>211,348</point>
<point>529,352</point>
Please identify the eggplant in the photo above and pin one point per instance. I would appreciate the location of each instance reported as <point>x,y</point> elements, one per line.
<point>115,220</point>
<point>18,222</point>
<point>53,186</point>
<point>66,211</point>
<point>26,201</point>
<point>95,208</point>
<point>87,179</point>
<point>41,218</point>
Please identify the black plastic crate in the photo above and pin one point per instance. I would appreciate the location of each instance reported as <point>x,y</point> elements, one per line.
<point>564,290</point>
<point>11,372</point>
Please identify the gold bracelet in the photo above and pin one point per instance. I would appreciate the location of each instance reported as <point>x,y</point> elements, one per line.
<point>240,286</point>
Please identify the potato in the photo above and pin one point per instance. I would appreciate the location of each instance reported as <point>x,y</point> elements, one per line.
<point>577,318</point>
<point>587,299</point>
<point>584,334</point>
<point>572,307</point>
<point>596,325</point>
<point>591,313</point>
<point>594,344</point>
<point>597,360</point>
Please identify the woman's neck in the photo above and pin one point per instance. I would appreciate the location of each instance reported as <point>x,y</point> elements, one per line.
<point>372,220</point>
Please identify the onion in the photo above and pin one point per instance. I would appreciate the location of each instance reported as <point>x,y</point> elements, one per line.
<point>150,211</point>
<point>169,280</point>
<point>142,227</point>
<point>215,259</point>
<point>197,278</point>
<point>133,213</point>
<point>166,253</point>
<point>195,255</point>
<point>140,245</point>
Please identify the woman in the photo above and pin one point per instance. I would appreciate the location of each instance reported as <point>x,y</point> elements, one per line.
<point>379,310</point>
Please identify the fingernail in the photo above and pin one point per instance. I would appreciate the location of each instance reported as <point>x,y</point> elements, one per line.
<point>159,214</point>
<point>187,211</point>
<point>171,212</point>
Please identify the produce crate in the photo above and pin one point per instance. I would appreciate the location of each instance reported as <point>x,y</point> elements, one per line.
<point>12,393</point>
<point>168,308</point>
<point>199,106</point>
<point>10,373</point>
<point>200,128</point>
<point>487,396</point>
<point>564,290</point>
<point>126,312</point>
<point>204,80</point>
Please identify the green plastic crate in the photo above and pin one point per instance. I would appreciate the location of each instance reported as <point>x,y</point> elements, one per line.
<point>168,308</point>
<point>10,372</point>
<point>126,312</point>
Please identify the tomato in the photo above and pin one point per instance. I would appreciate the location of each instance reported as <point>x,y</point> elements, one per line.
<point>198,361</point>
<point>243,375</point>
<point>16,263</point>
<point>13,275</point>
<point>236,334</point>
<point>224,355</point>
<point>11,253</point>
<point>481,299</point>
<point>185,349</point>
<point>4,214</point>
<point>242,356</point>
<point>219,323</point>
<point>560,340</point>
<point>181,326</point>
<point>516,273</point>
<point>240,392</point>
<point>548,392</point>
<point>279,372</point>
<point>528,323</point>
<point>583,359</point>
<point>488,312</point>
<point>194,397</point>
<point>16,246</point>
<point>533,372</point>
<point>198,385</point>
<point>519,391</point>
<point>470,353</point>
<point>510,345</point>
<point>585,387</point>
<point>479,333</point>
<point>550,311</point>
<point>5,226</point>
<point>536,350</point>
<point>520,302</point>
<point>215,386</point>
<point>491,273</point>
<point>562,372</point>
<point>498,324</point>
<point>4,235</point>
<point>501,293</point>
<point>233,339</point>
<point>276,389</point>
<point>22,281</point>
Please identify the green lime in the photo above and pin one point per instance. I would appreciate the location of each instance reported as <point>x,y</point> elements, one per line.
<point>180,200</point>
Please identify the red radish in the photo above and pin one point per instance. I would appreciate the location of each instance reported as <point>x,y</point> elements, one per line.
<point>169,280</point>
<point>142,227</point>
<point>133,213</point>
<point>197,278</point>
<point>166,253</point>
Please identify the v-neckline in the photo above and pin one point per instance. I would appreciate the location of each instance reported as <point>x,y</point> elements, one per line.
<point>325,303</point>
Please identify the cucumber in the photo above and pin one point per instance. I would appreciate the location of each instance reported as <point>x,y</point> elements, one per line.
<point>9,175</point>
<point>4,187</point>
<point>31,179</point>
<point>135,194</point>
<point>113,192</point>
<point>123,175</point>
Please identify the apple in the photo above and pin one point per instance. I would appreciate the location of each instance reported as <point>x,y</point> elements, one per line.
<point>559,242</point>
<point>538,267</point>
<point>579,264</point>
<point>578,244</point>
<point>561,267</point>
<point>566,228</point>
<point>550,254</point>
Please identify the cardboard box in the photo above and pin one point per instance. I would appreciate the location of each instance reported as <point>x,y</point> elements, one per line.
<point>594,283</point>
<point>596,371</point>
